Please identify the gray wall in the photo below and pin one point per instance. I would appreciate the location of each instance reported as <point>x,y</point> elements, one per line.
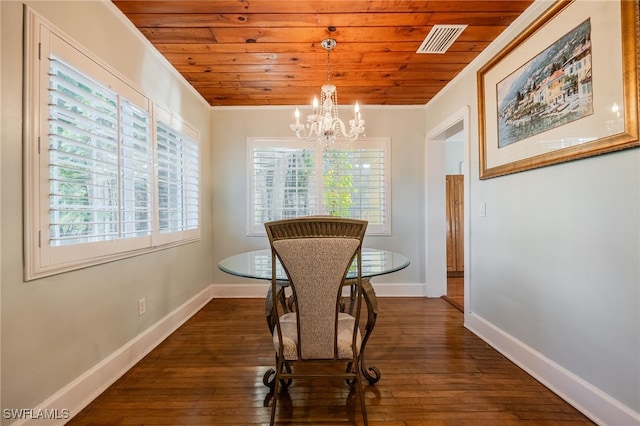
<point>555,263</point>
<point>55,329</point>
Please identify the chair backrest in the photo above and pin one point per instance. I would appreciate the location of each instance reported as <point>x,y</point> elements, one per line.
<point>316,253</point>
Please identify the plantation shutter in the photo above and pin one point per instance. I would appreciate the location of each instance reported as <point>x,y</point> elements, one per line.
<point>83,159</point>
<point>284,184</point>
<point>192,183</point>
<point>288,178</point>
<point>136,171</point>
<point>178,182</point>
<point>100,189</point>
<point>354,184</point>
<point>90,172</point>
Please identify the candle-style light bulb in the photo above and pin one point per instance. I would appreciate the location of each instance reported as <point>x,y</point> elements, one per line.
<point>315,105</point>
<point>297,114</point>
<point>356,109</point>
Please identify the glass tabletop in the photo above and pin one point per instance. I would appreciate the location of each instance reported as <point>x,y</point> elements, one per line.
<point>257,264</point>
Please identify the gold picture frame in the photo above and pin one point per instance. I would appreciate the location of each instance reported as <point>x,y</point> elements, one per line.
<point>562,90</point>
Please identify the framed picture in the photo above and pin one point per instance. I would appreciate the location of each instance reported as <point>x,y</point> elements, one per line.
<point>565,88</point>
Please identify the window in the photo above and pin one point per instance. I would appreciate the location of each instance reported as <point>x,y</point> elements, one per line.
<point>178,184</point>
<point>93,144</point>
<point>94,179</point>
<point>289,178</point>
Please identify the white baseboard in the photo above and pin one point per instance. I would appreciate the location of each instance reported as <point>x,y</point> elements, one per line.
<point>80,392</point>
<point>240,290</point>
<point>260,290</point>
<point>588,399</point>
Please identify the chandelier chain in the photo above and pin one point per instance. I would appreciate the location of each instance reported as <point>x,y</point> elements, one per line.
<point>328,65</point>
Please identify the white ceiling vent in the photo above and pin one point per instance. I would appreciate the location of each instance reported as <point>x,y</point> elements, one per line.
<point>440,38</point>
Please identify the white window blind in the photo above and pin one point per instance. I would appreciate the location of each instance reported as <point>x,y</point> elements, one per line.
<point>92,150</point>
<point>288,178</point>
<point>354,184</point>
<point>136,155</point>
<point>284,183</point>
<point>97,185</point>
<point>178,171</point>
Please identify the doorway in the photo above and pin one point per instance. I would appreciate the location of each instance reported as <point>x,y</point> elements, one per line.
<point>447,154</point>
<point>454,207</point>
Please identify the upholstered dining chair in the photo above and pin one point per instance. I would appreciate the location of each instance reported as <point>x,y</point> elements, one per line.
<point>316,252</point>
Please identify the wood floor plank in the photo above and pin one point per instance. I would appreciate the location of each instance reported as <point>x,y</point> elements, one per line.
<point>434,372</point>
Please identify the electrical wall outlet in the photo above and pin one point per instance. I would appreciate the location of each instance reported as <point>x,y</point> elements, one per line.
<point>142,306</point>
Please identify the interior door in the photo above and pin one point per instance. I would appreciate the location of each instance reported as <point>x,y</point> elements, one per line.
<point>455,224</point>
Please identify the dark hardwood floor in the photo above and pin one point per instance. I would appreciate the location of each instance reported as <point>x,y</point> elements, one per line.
<point>433,372</point>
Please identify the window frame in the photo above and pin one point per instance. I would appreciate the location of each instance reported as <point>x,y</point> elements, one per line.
<point>383,143</point>
<point>42,42</point>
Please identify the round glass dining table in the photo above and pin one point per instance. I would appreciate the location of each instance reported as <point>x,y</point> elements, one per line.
<point>257,264</point>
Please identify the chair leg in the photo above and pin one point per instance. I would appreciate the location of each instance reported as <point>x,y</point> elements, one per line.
<point>350,382</point>
<point>361,396</point>
<point>276,389</point>
<point>285,383</point>
<point>273,406</point>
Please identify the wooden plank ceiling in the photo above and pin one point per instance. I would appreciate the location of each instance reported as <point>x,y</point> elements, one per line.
<point>266,52</point>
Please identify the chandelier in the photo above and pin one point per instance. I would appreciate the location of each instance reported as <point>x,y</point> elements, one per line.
<point>324,125</point>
